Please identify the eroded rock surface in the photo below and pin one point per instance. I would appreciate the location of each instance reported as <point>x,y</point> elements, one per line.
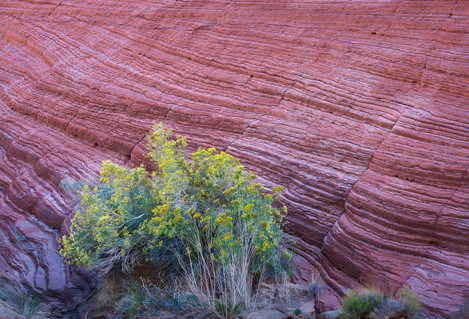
<point>359,108</point>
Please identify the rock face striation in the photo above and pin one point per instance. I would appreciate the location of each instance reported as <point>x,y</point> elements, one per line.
<point>359,108</point>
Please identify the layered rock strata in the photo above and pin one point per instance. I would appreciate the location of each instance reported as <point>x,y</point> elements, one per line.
<point>359,108</point>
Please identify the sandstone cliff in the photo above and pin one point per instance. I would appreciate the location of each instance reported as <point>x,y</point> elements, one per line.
<point>359,108</point>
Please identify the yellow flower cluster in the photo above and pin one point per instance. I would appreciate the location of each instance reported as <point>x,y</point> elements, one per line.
<point>210,203</point>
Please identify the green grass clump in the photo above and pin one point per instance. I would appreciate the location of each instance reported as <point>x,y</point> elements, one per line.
<point>357,304</point>
<point>145,299</point>
<point>31,305</point>
<point>410,299</point>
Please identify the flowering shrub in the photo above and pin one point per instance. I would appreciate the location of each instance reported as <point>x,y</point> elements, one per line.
<point>228,229</point>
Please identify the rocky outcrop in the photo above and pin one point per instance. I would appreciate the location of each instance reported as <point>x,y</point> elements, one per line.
<point>359,108</point>
<point>36,162</point>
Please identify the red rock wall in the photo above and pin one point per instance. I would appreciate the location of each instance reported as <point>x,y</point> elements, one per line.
<point>359,108</point>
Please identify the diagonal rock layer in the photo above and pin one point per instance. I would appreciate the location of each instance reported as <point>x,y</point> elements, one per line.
<point>359,108</point>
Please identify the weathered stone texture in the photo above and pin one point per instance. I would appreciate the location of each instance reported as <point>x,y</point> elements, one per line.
<point>359,108</point>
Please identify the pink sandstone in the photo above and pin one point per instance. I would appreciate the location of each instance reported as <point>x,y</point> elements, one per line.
<point>359,108</point>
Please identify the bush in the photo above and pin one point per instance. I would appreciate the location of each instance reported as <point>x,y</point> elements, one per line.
<point>410,299</point>
<point>314,290</point>
<point>357,305</point>
<point>205,211</point>
<point>29,305</point>
<point>144,299</point>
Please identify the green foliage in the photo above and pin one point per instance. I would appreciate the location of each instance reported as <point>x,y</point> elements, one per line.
<point>31,306</point>
<point>226,309</point>
<point>158,299</point>
<point>143,300</point>
<point>205,211</point>
<point>358,304</point>
<point>28,305</point>
<point>105,229</point>
<point>132,301</point>
<point>297,312</point>
<point>17,299</point>
<point>410,299</point>
<point>315,289</point>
